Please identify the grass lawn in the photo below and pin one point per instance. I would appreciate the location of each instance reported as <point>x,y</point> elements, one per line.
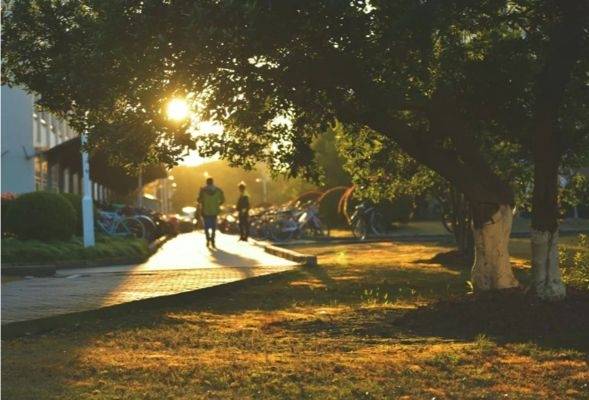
<point>521,247</point>
<point>33,251</point>
<point>415,228</point>
<point>374,321</point>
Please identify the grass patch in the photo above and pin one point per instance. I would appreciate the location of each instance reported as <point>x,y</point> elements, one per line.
<point>573,258</point>
<point>416,228</point>
<point>33,251</point>
<point>375,321</point>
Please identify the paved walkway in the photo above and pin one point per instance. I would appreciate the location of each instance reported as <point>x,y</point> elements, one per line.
<point>182,264</point>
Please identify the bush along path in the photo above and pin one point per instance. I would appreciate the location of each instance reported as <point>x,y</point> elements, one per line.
<point>71,252</point>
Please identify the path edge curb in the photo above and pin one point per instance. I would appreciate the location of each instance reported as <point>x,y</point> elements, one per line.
<point>302,259</point>
<point>13,330</point>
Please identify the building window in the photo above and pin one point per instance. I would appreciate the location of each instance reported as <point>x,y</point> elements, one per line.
<point>36,130</point>
<point>66,180</point>
<point>75,183</point>
<point>40,174</point>
<point>54,178</point>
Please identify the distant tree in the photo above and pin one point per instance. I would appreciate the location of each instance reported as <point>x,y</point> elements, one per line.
<point>330,161</point>
<point>384,172</point>
<point>436,78</point>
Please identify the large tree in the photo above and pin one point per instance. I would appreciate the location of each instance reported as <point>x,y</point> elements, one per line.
<point>554,134</point>
<point>434,77</point>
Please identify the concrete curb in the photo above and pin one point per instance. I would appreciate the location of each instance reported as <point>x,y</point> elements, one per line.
<point>300,258</point>
<point>157,243</point>
<point>49,269</point>
<point>13,330</point>
<point>304,259</point>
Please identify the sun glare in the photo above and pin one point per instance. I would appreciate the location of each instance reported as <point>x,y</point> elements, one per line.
<point>177,109</point>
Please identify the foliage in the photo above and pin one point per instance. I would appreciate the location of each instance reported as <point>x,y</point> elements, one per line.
<point>43,216</point>
<point>76,201</point>
<point>575,192</point>
<point>7,199</point>
<point>34,251</point>
<point>330,160</point>
<point>574,262</point>
<point>437,79</point>
<point>379,168</point>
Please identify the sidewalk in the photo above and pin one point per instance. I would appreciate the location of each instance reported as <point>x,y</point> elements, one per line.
<point>183,264</point>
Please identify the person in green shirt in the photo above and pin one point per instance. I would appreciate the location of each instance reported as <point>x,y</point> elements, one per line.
<point>209,200</point>
<point>243,209</point>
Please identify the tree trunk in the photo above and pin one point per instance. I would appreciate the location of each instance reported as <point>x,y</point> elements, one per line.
<point>546,278</point>
<point>547,281</point>
<point>492,268</point>
<point>564,51</point>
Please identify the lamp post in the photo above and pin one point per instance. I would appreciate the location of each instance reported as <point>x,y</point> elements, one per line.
<point>140,188</point>
<point>87,201</point>
<point>264,189</point>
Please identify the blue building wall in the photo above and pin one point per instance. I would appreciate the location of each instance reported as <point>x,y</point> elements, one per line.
<point>18,171</point>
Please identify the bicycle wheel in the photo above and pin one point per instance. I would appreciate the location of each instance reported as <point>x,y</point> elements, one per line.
<point>131,227</point>
<point>148,225</point>
<point>315,230</point>
<point>377,224</point>
<point>281,231</point>
<point>324,230</point>
<point>359,228</point>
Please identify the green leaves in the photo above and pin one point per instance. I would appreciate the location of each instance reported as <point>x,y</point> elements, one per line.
<point>108,65</point>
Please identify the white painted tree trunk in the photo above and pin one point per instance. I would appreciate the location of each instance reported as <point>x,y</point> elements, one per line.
<point>492,269</point>
<point>547,280</point>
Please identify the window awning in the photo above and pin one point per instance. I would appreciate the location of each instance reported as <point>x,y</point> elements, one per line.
<point>68,155</point>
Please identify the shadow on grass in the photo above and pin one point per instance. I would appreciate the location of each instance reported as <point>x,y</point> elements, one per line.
<point>452,259</point>
<point>416,303</point>
<point>511,316</point>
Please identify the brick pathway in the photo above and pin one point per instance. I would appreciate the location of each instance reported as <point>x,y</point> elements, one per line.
<point>182,264</point>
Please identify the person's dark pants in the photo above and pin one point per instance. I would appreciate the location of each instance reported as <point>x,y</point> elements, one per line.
<point>244,226</point>
<point>210,222</point>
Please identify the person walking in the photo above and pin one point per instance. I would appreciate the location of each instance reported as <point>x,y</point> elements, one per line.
<point>209,200</point>
<point>243,209</point>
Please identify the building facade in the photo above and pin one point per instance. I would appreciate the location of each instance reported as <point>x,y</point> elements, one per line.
<point>31,142</point>
<point>27,133</point>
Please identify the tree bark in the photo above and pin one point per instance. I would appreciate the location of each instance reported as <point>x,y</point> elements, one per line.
<point>546,280</point>
<point>492,268</point>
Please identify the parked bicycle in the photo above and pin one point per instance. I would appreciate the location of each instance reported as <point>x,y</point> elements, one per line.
<point>114,224</point>
<point>367,220</point>
<point>304,223</point>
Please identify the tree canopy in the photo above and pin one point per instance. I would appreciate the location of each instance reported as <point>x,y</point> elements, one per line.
<point>441,80</point>
<point>276,74</point>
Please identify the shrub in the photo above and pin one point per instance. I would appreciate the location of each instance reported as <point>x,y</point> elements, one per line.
<point>43,216</point>
<point>7,200</point>
<point>76,201</point>
<point>34,251</point>
<point>574,262</point>
<point>400,209</point>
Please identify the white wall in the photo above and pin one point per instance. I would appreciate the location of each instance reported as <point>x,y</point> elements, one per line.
<point>18,172</point>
